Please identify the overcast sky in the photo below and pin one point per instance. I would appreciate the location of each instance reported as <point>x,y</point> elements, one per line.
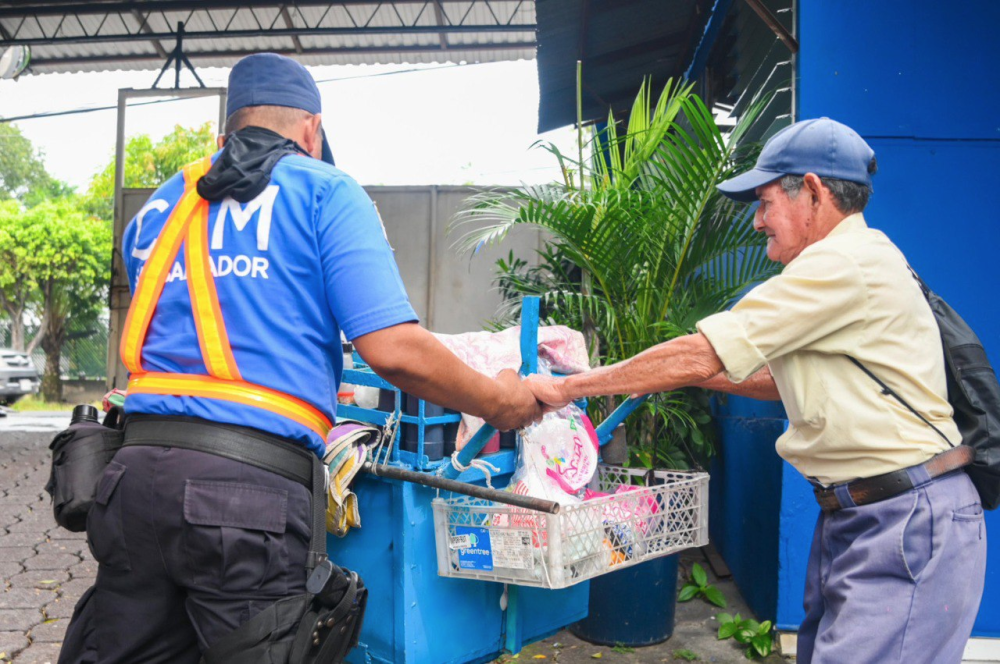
<point>438,125</point>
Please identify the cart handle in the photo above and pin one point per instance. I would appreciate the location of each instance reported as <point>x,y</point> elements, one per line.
<point>606,429</point>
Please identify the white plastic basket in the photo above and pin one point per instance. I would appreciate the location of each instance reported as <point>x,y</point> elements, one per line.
<point>480,539</point>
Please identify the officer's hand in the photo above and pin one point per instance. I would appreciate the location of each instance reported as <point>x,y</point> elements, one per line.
<point>518,407</point>
<point>549,391</point>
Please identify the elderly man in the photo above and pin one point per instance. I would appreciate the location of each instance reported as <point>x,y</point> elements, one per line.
<point>898,557</point>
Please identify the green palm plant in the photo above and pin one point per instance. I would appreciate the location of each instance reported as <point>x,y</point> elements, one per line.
<point>641,246</point>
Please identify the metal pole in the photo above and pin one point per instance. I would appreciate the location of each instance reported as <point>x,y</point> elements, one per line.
<point>177,55</point>
<point>118,276</point>
<point>474,490</point>
<point>776,27</point>
<point>432,270</point>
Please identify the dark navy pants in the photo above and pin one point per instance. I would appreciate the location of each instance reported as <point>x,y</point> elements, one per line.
<point>190,546</point>
<point>897,581</point>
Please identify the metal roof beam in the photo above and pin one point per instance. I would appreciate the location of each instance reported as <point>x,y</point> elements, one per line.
<point>288,24</point>
<point>91,8</point>
<point>276,32</point>
<point>144,27</point>
<point>439,18</point>
<point>362,50</point>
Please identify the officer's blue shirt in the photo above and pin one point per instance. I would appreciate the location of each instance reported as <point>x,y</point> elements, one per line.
<point>303,261</point>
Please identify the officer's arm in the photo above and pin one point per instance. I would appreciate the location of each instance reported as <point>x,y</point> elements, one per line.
<point>758,386</point>
<point>412,359</point>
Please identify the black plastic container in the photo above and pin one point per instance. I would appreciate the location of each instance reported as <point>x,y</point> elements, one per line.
<point>433,434</point>
<point>387,400</point>
<point>617,618</point>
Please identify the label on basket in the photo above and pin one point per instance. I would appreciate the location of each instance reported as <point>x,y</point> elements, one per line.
<point>460,542</point>
<point>512,549</point>
<point>479,554</point>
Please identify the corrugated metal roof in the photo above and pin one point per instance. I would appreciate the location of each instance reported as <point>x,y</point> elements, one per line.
<point>619,44</point>
<point>136,34</point>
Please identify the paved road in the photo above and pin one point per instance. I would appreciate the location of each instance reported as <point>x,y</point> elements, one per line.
<point>46,569</point>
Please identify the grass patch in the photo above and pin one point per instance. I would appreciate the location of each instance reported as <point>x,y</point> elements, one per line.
<point>33,403</point>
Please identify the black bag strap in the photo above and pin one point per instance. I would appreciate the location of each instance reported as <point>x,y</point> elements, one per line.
<point>115,418</point>
<point>889,391</point>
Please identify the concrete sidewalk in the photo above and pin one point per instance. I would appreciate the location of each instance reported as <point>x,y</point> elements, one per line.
<point>46,569</point>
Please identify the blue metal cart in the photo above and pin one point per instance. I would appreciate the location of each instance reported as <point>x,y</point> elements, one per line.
<point>415,616</point>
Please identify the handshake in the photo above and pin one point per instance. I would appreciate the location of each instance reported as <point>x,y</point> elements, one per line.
<point>524,402</point>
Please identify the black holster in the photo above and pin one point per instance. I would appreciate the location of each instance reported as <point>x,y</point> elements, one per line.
<point>303,629</point>
<point>80,454</point>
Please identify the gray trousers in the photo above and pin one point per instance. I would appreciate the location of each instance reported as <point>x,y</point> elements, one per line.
<point>898,580</point>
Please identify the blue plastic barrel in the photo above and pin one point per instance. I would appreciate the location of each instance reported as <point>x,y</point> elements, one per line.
<point>632,607</point>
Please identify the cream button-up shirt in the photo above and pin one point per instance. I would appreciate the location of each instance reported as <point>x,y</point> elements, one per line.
<point>850,294</point>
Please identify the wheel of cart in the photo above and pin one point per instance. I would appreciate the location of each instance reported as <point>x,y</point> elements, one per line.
<point>463,578</point>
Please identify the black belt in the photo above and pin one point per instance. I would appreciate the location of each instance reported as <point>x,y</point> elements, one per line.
<point>251,446</point>
<point>868,490</point>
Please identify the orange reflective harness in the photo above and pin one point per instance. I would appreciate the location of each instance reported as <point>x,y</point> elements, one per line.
<point>188,225</point>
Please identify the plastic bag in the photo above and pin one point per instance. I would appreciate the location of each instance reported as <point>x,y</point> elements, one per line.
<point>557,457</point>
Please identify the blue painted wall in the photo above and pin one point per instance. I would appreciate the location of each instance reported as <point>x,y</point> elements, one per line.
<point>917,79</point>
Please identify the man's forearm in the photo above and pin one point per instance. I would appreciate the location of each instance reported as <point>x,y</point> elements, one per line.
<point>413,360</point>
<point>758,386</point>
<point>684,361</point>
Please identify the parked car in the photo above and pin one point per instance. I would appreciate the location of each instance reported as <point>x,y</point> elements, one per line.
<point>18,376</point>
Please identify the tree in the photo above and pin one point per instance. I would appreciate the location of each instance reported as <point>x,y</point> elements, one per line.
<point>149,165</point>
<point>22,173</point>
<point>642,247</point>
<point>61,258</point>
<point>17,288</point>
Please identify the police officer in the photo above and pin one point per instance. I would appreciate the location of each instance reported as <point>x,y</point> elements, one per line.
<point>245,268</point>
<point>898,557</point>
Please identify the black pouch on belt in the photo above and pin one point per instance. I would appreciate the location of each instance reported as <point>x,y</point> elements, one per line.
<point>80,454</point>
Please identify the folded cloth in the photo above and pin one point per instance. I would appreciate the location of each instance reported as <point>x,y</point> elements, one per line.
<point>560,350</point>
<point>113,398</point>
<point>347,447</point>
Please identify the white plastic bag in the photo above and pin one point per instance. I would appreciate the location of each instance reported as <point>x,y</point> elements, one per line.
<point>562,449</point>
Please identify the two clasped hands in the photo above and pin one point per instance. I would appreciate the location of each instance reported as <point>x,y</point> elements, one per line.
<point>527,400</point>
<point>687,360</point>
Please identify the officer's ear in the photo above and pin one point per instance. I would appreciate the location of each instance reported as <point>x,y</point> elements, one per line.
<point>313,140</point>
<point>221,141</point>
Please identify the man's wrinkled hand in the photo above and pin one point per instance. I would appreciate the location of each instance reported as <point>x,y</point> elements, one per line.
<point>550,391</point>
<point>518,406</point>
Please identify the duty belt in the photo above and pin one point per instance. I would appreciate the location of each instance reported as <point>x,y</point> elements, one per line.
<point>873,489</point>
<point>244,444</point>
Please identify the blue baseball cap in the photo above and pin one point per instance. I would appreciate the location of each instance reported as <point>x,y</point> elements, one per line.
<point>822,146</point>
<point>269,79</point>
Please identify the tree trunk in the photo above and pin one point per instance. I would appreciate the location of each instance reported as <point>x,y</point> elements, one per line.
<point>52,343</point>
<point>17,333</point>
<point>43,329</point>
<point>16,315</point>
